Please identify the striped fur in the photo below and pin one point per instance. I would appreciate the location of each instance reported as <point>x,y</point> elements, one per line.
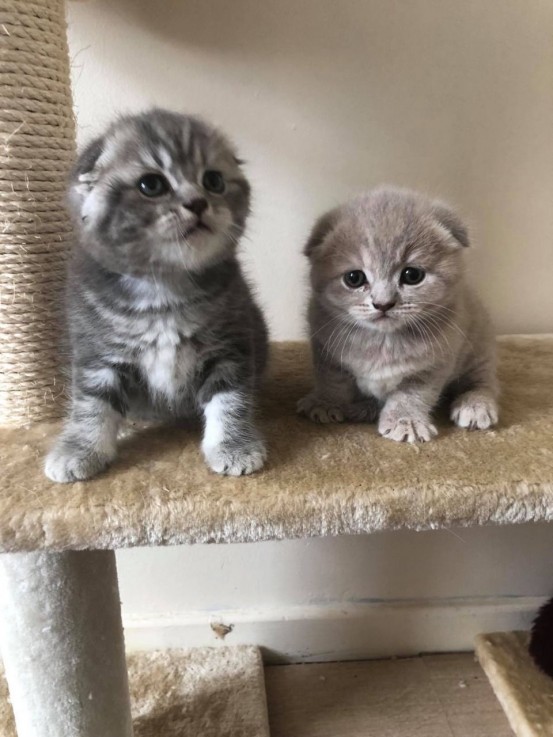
<point>161,320</point>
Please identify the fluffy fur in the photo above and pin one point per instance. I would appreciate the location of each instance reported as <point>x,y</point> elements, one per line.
<point>161,320</point>
<point>388,349</point>
<point>541,639</point>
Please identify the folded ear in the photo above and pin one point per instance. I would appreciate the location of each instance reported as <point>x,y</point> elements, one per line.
<point>85,175</point>
<point>87,160</point>
<point>451,222</point>
<point>321,229</point>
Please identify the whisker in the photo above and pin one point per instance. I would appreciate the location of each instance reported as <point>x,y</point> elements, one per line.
<point>434,325</point>
<point>424,335</point>
<point>352,329</point>
<point>328,322</point>
<point>338,332</point>
<point>442,313</point>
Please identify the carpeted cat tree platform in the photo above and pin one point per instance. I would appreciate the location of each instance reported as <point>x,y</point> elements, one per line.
<point>60,622</point>
<point>320,480</point>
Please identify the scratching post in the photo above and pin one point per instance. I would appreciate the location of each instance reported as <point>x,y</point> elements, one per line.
<point>62,644</point>
<point>60,618</point>
<point>37,146</point>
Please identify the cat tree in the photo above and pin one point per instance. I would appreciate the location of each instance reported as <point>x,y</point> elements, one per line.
<point>60,620</point>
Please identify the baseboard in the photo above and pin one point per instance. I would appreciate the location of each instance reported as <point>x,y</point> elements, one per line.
<point>354,631</point>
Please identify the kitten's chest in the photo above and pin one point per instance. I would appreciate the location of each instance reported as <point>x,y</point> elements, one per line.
<point>168,357</point>
<point>380,373</point>
<point>383,381</point>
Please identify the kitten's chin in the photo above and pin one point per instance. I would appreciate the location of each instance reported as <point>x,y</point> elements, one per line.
<point>200,249</point>
<point>383,325</point>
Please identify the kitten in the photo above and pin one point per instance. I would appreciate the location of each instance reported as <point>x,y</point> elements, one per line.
<point>161,320</point>
<point>394,326</point>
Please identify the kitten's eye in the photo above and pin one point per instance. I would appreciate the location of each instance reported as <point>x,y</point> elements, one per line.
<point>412,276</point>
<point>354,279</point>
<point>153,185</point>
<point>213,181</point>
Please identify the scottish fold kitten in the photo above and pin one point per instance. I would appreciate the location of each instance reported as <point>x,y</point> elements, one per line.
<point>394,325</point>
<point>161,320</point>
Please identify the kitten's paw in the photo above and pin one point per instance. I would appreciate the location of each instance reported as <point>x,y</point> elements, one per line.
<point>407,429</point>
<point>66,463</point>
<point>475,411</point>
<point>236,459</point>
<point>319,410</point>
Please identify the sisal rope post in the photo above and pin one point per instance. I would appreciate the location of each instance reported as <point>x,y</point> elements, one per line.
<point>37,147</point>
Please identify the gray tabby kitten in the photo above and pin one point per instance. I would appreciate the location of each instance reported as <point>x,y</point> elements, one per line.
<point>394,325</point>
<point>160,317</point>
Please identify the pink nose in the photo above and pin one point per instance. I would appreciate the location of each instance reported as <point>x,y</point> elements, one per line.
<point>383,308</point>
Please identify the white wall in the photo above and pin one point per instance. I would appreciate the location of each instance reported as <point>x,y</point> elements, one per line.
<point>326,98</point>
<point>338,598</point>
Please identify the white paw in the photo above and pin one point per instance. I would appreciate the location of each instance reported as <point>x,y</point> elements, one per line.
<point>65,464</point>
<point>407,429</point>
<point>318,410</point>
<point>475,412</point>
<point>234,459</point>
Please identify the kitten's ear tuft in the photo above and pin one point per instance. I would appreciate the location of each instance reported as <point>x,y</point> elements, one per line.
<point>452,222</point>
<point>321,229</point>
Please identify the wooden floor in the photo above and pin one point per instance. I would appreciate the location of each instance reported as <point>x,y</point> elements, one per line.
<point>429,696</point>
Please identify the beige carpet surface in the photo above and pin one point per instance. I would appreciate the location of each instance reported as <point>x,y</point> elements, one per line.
<point>205,692</point>
<point>320,480</point>
<point>524,692</point>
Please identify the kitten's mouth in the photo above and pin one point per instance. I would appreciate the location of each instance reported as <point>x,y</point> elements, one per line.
<point>384,322</point>
<point>195,228</point>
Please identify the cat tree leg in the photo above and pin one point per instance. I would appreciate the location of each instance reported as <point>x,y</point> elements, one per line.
<point>62,644</point>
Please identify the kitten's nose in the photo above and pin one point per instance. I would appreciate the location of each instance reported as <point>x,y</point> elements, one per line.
<point>198,206</point>
<point>383,307</point>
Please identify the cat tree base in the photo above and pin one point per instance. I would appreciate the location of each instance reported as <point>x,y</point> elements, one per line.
<point>62,644</point>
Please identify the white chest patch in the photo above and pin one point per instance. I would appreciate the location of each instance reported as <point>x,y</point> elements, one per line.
<point>167,362</point>
<point>380,382</point>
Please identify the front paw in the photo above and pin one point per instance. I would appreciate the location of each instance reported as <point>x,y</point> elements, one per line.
<point>67,462</point>
<point>319,410</point>
<point>475,411</point>
<point>236,458</point>
<point>406,429</point>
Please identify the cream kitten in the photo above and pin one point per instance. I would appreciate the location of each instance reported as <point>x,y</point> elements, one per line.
<point>394,325</point>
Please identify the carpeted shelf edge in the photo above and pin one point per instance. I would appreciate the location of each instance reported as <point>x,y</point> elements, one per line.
<point>327,519</point>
